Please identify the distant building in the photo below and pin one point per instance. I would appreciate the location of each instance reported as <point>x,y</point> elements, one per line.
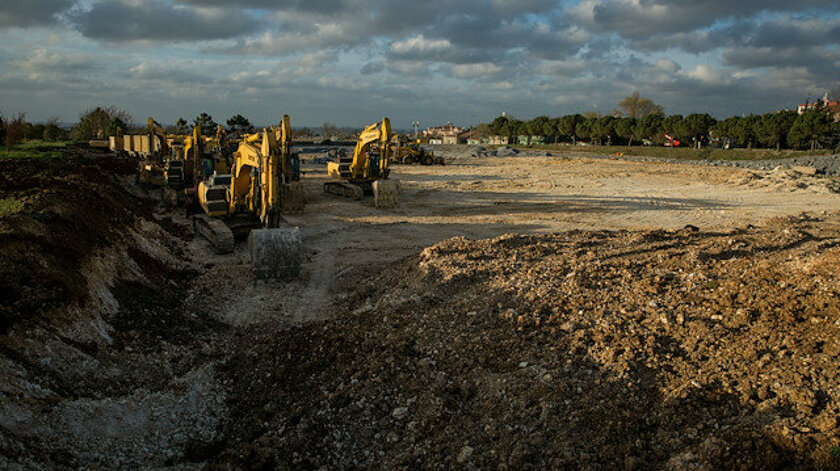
<point>832,107</point>
<point>499,140</point>
<point>525,140</point>
<point>441,131</point>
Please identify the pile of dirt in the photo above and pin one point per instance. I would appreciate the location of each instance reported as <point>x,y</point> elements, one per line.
<point>609,350</point>
<point>100,363</point>
<point>787,179</point>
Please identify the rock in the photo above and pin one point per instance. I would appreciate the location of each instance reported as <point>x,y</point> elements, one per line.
<point>399,412</point>
<point>465,454</point>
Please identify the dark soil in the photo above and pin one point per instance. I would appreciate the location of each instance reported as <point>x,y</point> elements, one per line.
<point>582,350</point>
<point>58,344</point>
<point>71,206</point>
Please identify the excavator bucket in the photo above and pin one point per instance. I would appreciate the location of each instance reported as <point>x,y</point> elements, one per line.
<point>292,198</point>
<point>386,193</point>
<point>275,253</point>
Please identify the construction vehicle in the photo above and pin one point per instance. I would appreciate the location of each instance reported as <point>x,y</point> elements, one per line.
<point>671,141</point>
<point>154,151</point>
<point>262,184</point>
<point>200,156</point>
<point>367,171</point>
<point>413,153</point>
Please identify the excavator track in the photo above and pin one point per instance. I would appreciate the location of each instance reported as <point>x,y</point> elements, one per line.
<point>215,231</point>
<point>345,189</point>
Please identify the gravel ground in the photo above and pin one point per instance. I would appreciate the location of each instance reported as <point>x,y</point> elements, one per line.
<point>581,350</point>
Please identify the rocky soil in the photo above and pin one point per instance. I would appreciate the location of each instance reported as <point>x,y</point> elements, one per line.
<point>126,344</point>
<point>582,350</point>
<point>101,366</point>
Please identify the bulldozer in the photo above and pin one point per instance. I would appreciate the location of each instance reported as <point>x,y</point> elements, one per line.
<point>414,153</point>
<point>367,171</point>
<point>263,183</point>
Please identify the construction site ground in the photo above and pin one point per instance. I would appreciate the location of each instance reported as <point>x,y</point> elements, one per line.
<point>522,312</point>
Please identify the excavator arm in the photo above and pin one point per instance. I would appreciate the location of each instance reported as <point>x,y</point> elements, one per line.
<point>269,155</point>
<point>364,166</point>
<point>157,131</point>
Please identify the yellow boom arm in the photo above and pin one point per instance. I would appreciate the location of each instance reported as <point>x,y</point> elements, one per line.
<point>268,153</point>
<point>377,133</point>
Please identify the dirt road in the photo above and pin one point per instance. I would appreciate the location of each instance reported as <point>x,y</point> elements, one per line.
<point>486,197</point>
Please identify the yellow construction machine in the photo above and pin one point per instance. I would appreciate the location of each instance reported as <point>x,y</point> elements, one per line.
<point>202,156</point>
<point>262,185</point>
<point>367,171</point>
<point>413,153</point>
<point>154,150</point>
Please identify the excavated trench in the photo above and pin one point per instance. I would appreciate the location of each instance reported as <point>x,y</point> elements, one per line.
<point>124,343</point>
<point>102,364</point>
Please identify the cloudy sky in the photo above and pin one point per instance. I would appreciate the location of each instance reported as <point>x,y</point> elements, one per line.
<point>350,62</point>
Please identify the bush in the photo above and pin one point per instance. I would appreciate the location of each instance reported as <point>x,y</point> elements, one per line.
<point>15,130</point>
<point>97,123</point>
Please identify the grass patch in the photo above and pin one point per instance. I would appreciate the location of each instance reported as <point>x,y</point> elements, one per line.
<point>10,206</point>
<point>682,153</point>
<point>34,150</point>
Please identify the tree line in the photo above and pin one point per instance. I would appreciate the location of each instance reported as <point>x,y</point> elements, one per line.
<point>648,124</point>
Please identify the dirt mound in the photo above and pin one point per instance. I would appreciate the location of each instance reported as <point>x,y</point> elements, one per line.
<point>100,363</point>
<point>69,210</point>
<point>609,350</point>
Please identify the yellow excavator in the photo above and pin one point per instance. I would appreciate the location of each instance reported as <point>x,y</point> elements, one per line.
<point>262,185</point>
<point>156,151</point>
<point>367,171</point>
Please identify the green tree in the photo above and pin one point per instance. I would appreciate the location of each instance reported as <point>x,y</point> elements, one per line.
<point>32,131</point>
<point>584,128</point>
<point>744,130</point>
<point>96,123</point>
<point>117,127</point>
<point>809,129</point>
<point>539,126</point>
<point>2,129</point>
<point>15,131</point>
<point>696,127</point>
<point>625,128</point>
<point>205,121</point>
<point>635,106</point>
<point>52,131</point>
<point>603,129</point>
<point>673,125</point>
<point>650,127</point>
<point>567,126</point>
<point>774,128</point>
<point>725,131</point>
<point>499,126</point>
<point>482,130</point>
<point>181,126</point>
<point>239,124</point>
<point>516,127</point>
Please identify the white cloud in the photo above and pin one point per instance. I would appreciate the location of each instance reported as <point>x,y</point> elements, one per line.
<point>420,44</point>
<point>469,71</point>
<point>708,73</point>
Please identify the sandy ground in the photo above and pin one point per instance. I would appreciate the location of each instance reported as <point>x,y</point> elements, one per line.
<point>487,197</point>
